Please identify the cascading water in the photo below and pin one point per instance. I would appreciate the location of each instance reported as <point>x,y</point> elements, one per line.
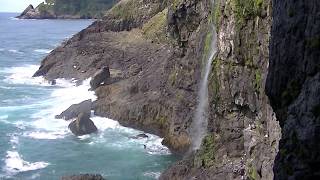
<point>200,121</point>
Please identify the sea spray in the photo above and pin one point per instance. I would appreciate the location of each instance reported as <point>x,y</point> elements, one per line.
<point>200,121</point>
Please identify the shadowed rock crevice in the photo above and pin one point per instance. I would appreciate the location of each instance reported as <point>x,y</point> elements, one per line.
<point>293,87</point>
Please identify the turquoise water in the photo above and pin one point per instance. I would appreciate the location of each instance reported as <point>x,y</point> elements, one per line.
<point>34,145</point>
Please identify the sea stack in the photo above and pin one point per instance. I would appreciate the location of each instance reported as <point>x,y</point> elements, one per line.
<point>82,125</point>
<point>27,13</point>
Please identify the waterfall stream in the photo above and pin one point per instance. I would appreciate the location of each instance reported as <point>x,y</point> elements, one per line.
<point>200,121</point>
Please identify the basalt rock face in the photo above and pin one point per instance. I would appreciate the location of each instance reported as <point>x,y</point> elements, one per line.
<point>243,132</point>
<point>293,86</point>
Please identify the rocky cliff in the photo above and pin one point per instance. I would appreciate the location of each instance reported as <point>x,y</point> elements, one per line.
<point>243,131</point>
<point>293,86</point>
<point>155,50</point>
<point>68,9</point>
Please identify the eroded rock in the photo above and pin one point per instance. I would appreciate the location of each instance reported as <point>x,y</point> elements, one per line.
<point>82,125</point>
<point>74,110</point>
<point>100,77</point>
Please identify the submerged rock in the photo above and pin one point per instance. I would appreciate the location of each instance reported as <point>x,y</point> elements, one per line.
<point>82,125</point>
<point>140,136</point>
<point>83,177</point>
<point>74,110</point>
<point>102,76</point>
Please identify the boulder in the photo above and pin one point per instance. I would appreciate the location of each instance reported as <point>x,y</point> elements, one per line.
<point>83,177</point>
<point>82,125</point>
<point>74,110</point>
<point>102,76</point>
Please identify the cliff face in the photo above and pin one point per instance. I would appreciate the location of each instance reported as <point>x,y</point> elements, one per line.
<point>294,87</point>
<point>68,9</point>
<point>243,131</point>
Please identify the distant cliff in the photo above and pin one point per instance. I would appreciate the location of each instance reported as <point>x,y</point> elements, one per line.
<point>68,9</point>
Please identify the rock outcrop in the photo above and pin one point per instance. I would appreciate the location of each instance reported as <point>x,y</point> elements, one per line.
<point>37,13</point>
<point>293,87</point>
<point>74,110</point>
<point>82,125</point>
<point>83,177</point>
<point>100,77</point>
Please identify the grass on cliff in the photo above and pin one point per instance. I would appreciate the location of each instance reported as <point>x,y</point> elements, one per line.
<point>130,10</point>
<point>246,9</point>
<point>205,156</point>
<point>156,28</point>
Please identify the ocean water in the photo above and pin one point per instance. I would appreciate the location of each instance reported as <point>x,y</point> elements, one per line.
<point>34,145</point>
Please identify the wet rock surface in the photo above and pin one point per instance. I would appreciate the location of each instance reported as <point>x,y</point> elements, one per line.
<point>82,125</point>
<point>74,110</point>
<point>83,177</point>
<point>100,77</point>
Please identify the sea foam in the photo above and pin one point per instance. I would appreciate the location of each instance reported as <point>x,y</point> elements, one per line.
<point>15,164</point>
<point>43,51</point>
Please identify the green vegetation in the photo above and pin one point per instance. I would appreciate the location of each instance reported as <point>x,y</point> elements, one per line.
<point>246,9</point>
<point>45,7</point>
<point>252,173</point>
<point>214,80</point>
<point>216,13</point>
<point>127,10</point>
<point>258,80</point>
<point>82,8</point>
<point>161,121</point>
<point>313,43</point>
<point>205,156</point>
<point>156,27</point>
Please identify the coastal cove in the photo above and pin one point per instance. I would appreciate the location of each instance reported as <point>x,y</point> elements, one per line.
<point>35,145</point>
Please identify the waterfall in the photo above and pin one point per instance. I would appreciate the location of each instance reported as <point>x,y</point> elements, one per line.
<point>200,120</point>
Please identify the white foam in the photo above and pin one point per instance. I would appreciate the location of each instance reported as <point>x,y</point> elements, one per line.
<point>4,117</point>
<point>15,51</point>
<point>43,51</point>
<point>155,175</point>
<point>45,135</point>
<point>153,142</point>
<point>14,163</point>
<point>14,140</point>
<point>59,100</point>
<point>23,75</point>
<point>105,123</point>
<point>62,98</point>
